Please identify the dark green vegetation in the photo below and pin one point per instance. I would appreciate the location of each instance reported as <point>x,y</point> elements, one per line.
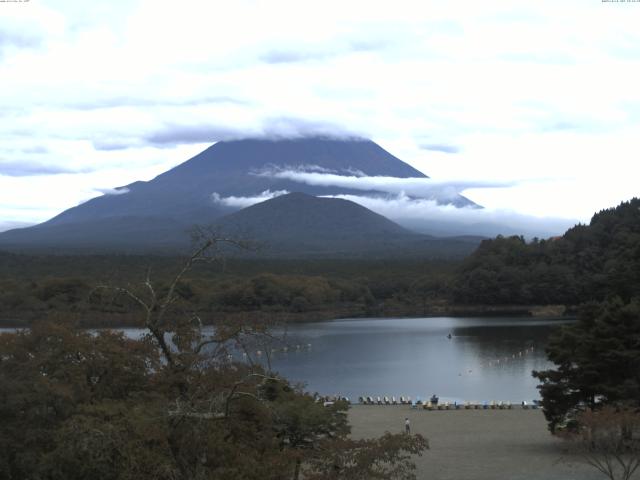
<point>589,262</point>
<point>34,287</point>
<point>597,359</point>
<point>77,406</point>
<point>597,362</point>
<point>171,406</point>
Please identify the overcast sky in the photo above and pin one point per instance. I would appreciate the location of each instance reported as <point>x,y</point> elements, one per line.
<point>539,101</point>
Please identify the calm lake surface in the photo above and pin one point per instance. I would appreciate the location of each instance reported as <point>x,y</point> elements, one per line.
<point>485,359</point>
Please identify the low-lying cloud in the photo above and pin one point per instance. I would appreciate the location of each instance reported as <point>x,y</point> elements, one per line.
<point>413,186</point>
<point>10,225</point>
<point>113,191</point>
<point>428,216</point>
<point>431,217</point>
<point>284,127</point>
<point>243,202</point>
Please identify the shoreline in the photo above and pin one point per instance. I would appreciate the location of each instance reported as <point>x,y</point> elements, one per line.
<point>92,320</point>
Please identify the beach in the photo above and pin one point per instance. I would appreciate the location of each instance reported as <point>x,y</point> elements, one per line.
<point>477,444</point>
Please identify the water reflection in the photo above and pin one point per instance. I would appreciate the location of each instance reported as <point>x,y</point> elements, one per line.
<point>484,359</point>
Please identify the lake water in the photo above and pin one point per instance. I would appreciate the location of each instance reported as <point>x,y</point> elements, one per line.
<point>485,359</point>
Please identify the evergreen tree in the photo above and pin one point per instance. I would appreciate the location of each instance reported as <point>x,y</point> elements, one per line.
<point>589,262</point>
<point>597,361</point>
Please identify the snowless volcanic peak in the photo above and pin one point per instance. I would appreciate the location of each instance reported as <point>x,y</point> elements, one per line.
<point>224,178</point>
<point>246,169</point>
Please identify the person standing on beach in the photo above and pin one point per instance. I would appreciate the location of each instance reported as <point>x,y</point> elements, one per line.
<point>407,426</point>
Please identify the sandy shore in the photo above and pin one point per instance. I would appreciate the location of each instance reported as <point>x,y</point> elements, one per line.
<point>477,444</point>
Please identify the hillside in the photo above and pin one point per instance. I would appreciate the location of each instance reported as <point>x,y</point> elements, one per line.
<point>589,262</point>
<point>300,224</point>
<point>301,216</point>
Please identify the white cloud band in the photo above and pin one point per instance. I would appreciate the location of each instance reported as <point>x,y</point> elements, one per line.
<point>243,202</point>
<point>442,191</point>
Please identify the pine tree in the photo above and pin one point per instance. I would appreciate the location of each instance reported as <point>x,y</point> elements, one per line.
<point>597,359</point>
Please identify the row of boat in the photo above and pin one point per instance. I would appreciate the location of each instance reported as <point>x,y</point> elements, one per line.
<point>492,405</point>
<point>430,405</point>
<point>385,400</point>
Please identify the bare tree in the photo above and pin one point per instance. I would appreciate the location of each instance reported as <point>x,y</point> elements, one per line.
<point>184,328</point>
<point>206,393</point>
<point>608,439</point>
<point>180,334</point>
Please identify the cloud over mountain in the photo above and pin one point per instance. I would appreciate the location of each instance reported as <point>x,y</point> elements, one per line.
<point>433,82</point>
<point>243,202</point>
<point>428,215</point>
<point>113,191</point>
<point>232,175</point>
<point>442,191</point>
<point>272,128</point>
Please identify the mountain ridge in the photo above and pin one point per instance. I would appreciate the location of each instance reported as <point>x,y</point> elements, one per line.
<point>226,168</point>
<point>159,212</point>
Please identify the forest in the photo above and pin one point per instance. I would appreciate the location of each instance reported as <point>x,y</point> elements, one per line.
<point>588,262</point>
<point>504,275</point>
<point>35,286</point>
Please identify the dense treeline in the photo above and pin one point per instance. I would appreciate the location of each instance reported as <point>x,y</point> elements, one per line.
<point>589,262</point>
<point>597,359</point>
<point>33,286</point>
